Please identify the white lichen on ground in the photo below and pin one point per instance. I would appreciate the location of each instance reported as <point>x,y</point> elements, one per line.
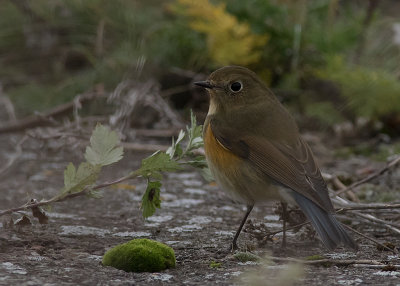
<point>83,230</point>
<point>12,268</point>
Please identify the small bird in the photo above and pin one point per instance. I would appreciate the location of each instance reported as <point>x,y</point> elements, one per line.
<point>255,152</point>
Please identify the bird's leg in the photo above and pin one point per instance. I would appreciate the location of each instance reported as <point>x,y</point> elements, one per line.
<point>284,218</point>
<point>234,245</point>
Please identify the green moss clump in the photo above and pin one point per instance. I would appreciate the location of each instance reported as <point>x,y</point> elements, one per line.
<point>214,264</point>
<point>246,256</point>
<point>140,255</point>
<point>315,257</point>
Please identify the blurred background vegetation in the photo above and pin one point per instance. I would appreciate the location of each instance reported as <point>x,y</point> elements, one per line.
<point>331,61</point>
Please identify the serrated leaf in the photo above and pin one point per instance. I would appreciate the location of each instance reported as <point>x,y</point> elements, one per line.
<point>171,150</point>
<point>155,164</point>
<point>195,134</point>
<point>76,180</point>
<point>195,130</point>
<point>103,149</point>
<point>69,175</point>
<point>151,199</point>
<point>198,162</point>
<point>197,142</point>
<point>176,149</point>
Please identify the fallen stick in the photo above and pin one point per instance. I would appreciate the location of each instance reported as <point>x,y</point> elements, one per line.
<point>389,225</point>
<point>348,227</point>
<point>392,266</point>
<point>45,117</point>
<point>327,261</point>
<point>85,191</point>
<point>369,207</point>
<point>370,177</point>
<point>370,238</point>
<point>338,183</point>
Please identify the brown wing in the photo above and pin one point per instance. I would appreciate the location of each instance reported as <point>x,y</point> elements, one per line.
<point>291,166</point>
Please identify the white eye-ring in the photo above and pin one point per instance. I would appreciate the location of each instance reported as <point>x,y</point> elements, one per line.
<point>236,86</point>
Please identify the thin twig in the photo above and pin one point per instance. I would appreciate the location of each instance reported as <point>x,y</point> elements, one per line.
<point>392,266</point>
<point>341,262</point>
<point>370,238</point>
<point>369,207</point>
<point>372,176</point>
<point>338,183</point>
<point>390,225</point>
<point>43,119</point>
<point>60,198</point>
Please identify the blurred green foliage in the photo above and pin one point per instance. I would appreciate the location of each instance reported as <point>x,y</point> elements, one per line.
<point>377,152</point>
<point>370,93</point>
<point>52,50</point>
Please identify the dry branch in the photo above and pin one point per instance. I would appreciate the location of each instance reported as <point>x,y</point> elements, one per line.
<point>57,198</point>
<point>338,262</point>
<point>369,207</point>
<point>372,176</point>
<point>338,183</point>
<point>390,225</point>
<point>45,118</point>
<point>371,239</point>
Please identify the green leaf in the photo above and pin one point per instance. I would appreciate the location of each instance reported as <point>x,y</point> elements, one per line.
<point>198,162</point>
<point>155,164</point>
<point>151,199</point>
<point>195,134</point>
<point>171,150</point>
<point>77,180</point>
<point>103,149</point>
<point>176,149</point>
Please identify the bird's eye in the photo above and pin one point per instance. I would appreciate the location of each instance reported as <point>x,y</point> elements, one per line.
<point>236,86</point>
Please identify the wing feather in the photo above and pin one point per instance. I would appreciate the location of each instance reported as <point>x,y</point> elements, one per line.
<point>291,165</point>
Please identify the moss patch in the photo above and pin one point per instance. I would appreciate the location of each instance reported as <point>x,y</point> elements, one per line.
<point>140,255</point>
<point>214,264</point>
<point>246,256</point>
<point>315,257</point>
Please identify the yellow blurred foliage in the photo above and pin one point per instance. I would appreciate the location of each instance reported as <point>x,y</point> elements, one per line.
<point>228,41</point>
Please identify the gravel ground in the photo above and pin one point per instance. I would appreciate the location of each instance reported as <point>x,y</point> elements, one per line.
<point>196,220</point>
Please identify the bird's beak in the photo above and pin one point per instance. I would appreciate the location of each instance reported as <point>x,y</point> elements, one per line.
<point>205,84</point>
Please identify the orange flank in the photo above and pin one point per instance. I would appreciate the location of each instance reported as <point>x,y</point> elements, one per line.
<point>220,157</point>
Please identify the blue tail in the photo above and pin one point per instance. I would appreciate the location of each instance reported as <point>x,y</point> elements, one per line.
<point>327,226</point>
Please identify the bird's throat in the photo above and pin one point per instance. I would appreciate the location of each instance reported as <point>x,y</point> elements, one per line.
<point>212,109</point>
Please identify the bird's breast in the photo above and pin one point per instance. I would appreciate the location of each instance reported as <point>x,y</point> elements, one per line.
<point>237,177</point>
<point>217,154</point>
